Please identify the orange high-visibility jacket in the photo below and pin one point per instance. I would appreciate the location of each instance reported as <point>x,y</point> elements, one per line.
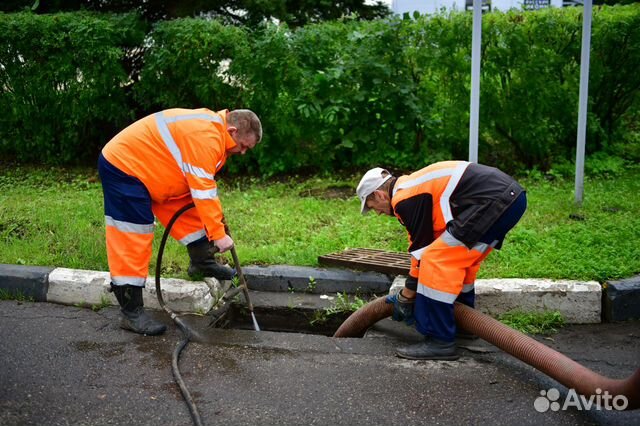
<point>175,153</point>
<point>463,198</point>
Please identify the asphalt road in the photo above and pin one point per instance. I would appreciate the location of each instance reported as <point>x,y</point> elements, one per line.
<point>65,365</point>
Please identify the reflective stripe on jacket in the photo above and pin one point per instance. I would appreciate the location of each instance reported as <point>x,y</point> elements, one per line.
<point>461,197</point>
<point>174,153</point>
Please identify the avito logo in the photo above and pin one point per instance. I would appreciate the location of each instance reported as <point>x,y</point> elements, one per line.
<point>549,400</point>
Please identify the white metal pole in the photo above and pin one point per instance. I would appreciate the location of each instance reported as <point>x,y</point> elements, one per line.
<point>584,100</point>
<point>476,39</point>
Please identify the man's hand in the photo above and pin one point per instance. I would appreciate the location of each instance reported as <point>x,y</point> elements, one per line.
<point>402,308</point>
<point>225,243</point>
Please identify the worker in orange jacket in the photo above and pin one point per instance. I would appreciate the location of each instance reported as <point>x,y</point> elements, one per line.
<point>155,167</point>
<point>455,214</point>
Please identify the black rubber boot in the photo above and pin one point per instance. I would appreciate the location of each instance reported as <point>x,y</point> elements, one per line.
<point>463,334</point>
<point>430,348</point>
<point>203,263</point>
<point>134,317</point>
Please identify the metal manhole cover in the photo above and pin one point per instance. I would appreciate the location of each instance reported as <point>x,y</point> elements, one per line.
<point>387,262</point>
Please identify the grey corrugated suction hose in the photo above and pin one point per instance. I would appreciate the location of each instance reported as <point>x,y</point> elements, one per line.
<point>557,366</point>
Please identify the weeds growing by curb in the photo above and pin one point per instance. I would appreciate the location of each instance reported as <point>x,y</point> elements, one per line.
<point>16,295</point>
<point>342,305</point>
<point>533,322</point>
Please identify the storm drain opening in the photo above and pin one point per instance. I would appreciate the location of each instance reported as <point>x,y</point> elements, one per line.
<point>284,319</point>
<point>298,299</point>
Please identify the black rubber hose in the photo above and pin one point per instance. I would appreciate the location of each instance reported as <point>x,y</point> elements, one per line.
<point>186,332</point>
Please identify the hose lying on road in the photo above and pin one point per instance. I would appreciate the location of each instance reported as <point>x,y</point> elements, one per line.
<point>186,333</point>
<point>557,366</point>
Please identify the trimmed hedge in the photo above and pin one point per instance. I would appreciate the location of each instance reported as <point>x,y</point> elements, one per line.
<point>63,84</point>
<point>335,95</point>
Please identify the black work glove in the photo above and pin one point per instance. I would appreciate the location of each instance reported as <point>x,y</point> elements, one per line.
<point>402,308</point>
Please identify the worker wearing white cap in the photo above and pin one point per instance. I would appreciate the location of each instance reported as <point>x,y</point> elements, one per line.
<point>455,213</point>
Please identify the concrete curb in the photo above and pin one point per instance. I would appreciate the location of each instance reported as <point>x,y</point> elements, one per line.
<point>315,280</point>
<point>578,301</point>
<point>622,299</point>
<point>29,281</point>
<point>73,286</point>
<point>87,288</point>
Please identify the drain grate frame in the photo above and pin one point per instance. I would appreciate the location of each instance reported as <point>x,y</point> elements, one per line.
<point>363,259</point>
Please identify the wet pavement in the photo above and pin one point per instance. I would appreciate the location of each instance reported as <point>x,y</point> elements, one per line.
<point>66,365</point>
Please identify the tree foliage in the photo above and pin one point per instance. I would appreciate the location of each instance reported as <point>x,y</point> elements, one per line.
<point>239,12</point>
<point>334,95</point>
<point>63,84</point>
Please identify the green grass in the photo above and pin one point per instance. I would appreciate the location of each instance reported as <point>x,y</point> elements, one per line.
<point>14,295</point>
<point>54,217</point>
<point>533,322</point>
<point>558,240</point>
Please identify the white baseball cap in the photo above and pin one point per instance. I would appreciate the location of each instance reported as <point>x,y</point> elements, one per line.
<point>371,181</point>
